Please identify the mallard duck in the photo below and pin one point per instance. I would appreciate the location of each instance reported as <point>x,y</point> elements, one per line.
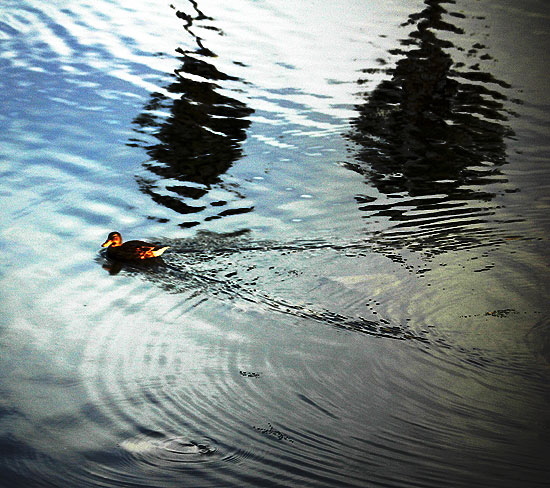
<point>131,250</point>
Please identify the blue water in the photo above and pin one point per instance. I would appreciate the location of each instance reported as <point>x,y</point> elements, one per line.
<point>356,197</point>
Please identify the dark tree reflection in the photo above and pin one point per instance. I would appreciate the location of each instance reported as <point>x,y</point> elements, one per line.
<point>432,136</point>
<point>198,140</point>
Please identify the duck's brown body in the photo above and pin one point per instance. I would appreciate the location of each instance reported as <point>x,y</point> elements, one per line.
<point>131,250</point>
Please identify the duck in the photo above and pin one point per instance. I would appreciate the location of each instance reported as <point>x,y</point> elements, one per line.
<point>131,250</point>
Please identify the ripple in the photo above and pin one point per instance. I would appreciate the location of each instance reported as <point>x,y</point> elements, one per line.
<point>209,254</point>
<point>169,452</point>
<point>62,34</point>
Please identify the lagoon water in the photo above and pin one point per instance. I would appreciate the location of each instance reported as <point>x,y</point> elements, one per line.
<point>356,195</point>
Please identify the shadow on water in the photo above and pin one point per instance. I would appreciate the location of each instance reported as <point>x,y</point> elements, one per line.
<point>198,140</point>
<point>432,137</point>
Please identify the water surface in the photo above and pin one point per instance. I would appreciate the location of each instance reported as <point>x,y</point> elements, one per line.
<point>356,200</point>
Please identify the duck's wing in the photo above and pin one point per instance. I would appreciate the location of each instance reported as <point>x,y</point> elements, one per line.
<point>144,249</point>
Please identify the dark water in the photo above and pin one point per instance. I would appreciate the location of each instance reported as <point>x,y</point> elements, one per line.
<point>356,197</point>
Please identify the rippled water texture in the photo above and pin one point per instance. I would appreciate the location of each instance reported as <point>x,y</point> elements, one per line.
<point>356,199</point>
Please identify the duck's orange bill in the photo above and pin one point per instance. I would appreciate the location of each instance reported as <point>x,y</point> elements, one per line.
<point>107,243</point>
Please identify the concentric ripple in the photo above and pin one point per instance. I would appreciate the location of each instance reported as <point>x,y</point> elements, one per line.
<point>168,452</point>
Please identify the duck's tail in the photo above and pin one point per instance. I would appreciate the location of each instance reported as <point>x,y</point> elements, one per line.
<point>157,252</point>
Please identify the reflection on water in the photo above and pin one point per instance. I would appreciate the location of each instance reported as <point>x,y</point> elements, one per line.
<point>199,132</point>
<point>432,136</point>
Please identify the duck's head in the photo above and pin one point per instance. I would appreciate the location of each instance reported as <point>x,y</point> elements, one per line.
<point>113,239</point>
